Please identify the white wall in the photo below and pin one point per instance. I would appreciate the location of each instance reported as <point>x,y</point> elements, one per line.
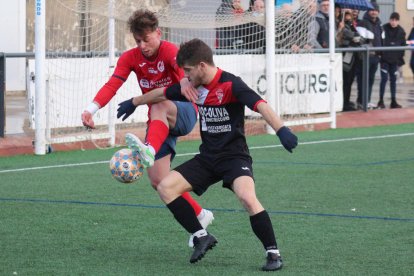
<point>302,81</point>
<point>13,40</point>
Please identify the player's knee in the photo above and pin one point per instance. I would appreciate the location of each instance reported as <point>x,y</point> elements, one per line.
<point>249,201</point>
<point>166,191</point>
<point>160,107</point>
<point>163,110</point>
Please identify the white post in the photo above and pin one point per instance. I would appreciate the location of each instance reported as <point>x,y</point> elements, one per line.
<point>332,62</point>
<point>111,60</point>
<point>270,59</point>
<point>40,81</point>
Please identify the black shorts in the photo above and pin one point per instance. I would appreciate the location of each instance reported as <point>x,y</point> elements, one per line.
<point>201,173</point>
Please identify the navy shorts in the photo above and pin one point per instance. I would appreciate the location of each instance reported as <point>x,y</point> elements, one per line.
<point>186,120</point>
<point>202,173</point>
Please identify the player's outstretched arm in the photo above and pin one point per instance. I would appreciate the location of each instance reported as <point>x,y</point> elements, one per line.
<point>126,108</point>
<point>286,137</point>
<point>153,96</point>
<point>87,115</point>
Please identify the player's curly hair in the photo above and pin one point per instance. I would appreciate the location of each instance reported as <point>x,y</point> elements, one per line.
<point>193,52</point>
<point>142,21</point>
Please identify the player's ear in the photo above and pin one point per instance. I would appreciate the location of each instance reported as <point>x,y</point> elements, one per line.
<point>203,65</point>
<point>158,30</point>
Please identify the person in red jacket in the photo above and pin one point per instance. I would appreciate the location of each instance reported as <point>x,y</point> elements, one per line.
<point>154,63</point>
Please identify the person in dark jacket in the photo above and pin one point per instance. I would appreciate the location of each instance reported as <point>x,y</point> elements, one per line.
<point>249,35</point>
<point>229,37</point>
<point>255,34</point>
<point>393,35</point>
<point>348,36</point>
<point>410,40</point>
<point>322,26</point>
<point>371,24</point>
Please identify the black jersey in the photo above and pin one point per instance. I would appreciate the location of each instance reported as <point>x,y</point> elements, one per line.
<point>221,106</point>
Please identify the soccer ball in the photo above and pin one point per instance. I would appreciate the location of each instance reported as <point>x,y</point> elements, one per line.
<point>126,166</point>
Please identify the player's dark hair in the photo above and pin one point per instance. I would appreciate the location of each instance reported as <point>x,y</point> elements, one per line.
<point>142,21</point>
<point>193,52</point>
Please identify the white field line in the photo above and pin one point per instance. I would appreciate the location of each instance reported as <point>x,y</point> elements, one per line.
<point>193,153</point>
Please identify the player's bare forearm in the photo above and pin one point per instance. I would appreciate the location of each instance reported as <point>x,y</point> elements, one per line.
<point>270,116</point>
<point>153,96</point>
<point>286,137</point>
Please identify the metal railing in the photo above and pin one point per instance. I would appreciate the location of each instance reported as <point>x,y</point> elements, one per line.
<point>365,50</point>
<point>2,96</point>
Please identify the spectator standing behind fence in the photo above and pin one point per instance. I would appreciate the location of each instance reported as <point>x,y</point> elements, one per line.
<point>254,34</point>
<point>355,18</point>
<point>258,7</point>
<point>393,35</point>
<point>348,37</point>
<point>410,41</point>
<point>322,27</point>
<point>229,37</point>
<point>311,8</point>
<point>291,25</point>
<point>371,27</point>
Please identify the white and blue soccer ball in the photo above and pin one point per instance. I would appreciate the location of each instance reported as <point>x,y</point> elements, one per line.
<point>125,166</point>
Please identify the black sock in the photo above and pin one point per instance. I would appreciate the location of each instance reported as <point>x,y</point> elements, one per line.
<point>262,227</point>
<point>184,214</point>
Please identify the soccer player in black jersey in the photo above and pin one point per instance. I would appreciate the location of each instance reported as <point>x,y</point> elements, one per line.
<point>221,98</point>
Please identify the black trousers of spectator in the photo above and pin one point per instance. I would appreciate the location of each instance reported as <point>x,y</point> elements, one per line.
<point>412,62</point>
<point>373,67</point>
<point>348,79</point>
<point>388,70</point>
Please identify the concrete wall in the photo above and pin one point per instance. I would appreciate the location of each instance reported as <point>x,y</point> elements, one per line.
<point>13,40</point>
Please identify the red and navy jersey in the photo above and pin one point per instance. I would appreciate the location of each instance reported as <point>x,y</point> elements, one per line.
<point>221,106</point>
<point>161,71</point>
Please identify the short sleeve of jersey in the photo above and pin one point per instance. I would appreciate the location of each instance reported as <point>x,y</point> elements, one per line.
<point>245,94</point>
<point>174,93</point>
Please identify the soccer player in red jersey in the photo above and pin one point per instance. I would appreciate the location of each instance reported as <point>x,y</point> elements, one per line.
<point>224,155</point>
<point>154,63</point>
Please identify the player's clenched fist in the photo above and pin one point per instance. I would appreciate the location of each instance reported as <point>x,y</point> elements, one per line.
<point>87,115</point>
<point>87,119</point>
<point>287,138</point>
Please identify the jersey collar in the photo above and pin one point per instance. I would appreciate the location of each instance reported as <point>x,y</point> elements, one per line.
<point>215,80</point>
